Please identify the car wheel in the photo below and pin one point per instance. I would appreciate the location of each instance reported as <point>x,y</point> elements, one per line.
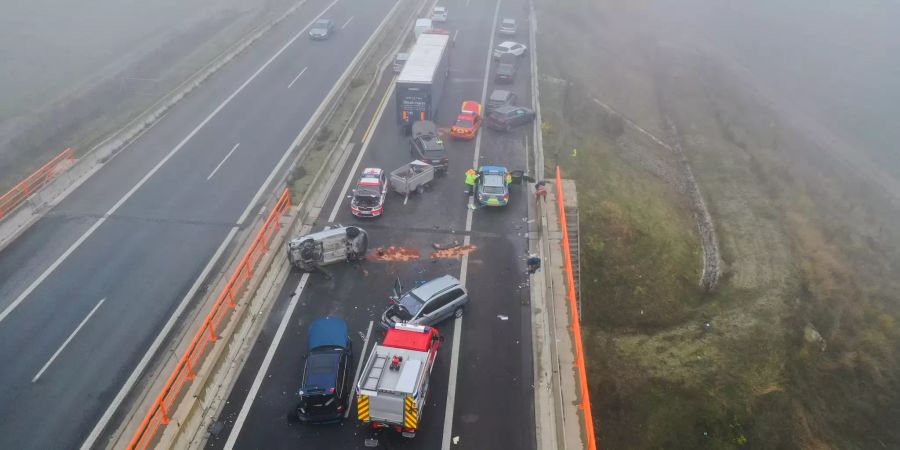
<point>458,313</point>
<point>420,189</point>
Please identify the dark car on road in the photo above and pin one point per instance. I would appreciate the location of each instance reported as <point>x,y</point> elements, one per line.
<point>425,144</point>
<point>506,69</point>
<point>500,98</point>
<point>321,29</point>
<point>506,117</point>
<point>427,304</point>
<point>326,384</point>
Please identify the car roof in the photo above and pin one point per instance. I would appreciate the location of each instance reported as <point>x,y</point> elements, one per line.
<point>440,8</point>
<point>323,21</point>
<point>499,94</point>
<point>328,332</point>
<point>508,20</point>
<point>435,286</point>
<point>505,109</point>
<point>465,116</point>
<point>493,180</point>
<point>470,106</point>
<point>507,44</point>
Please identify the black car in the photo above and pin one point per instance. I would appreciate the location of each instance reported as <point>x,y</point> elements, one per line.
<point>321,29</point>
<point>506,117</point>
<point>500,98</point>
<point>425,144</point>
<point>506,69</point>
<point>326,386</point>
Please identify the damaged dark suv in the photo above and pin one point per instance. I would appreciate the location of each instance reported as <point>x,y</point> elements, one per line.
<point>425,144</point>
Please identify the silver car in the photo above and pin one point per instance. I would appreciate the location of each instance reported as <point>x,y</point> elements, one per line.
<point>428,304</point>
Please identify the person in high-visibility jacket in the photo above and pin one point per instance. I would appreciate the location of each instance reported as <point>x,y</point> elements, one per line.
<point>508,178</point>
<point>471,176</point>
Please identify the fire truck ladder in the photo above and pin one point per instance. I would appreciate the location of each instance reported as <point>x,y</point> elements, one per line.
<point>374,375</point>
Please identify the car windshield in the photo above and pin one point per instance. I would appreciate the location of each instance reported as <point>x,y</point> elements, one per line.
<point>366,192</point>
<point>464,123</point>
<point>320,26</point>
<point>505,68</point>
<point>509,22</point>
<point>502,48</point>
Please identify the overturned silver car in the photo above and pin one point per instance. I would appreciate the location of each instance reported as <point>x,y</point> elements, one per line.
<point>328,246</point>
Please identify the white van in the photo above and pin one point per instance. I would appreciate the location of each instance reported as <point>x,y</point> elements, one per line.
<point>422,26</point>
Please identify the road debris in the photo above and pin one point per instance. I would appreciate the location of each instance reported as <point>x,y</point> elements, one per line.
<point>457,251</point>
<point>394,253</point>
<point>502,317</point>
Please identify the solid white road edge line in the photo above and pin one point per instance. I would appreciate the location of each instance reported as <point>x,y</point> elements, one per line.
<point>69,339</point>
<point>362,360</point>
<point>264,368</point>
<point>211,174</point>
<point>142,364</point>
<point>463,271</point>
<point>163,334</point>
<point>40,279</point>
<point>297,77</point>
<point>362,151</point>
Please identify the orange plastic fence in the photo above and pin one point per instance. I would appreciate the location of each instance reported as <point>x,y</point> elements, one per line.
<point>185,371</point>
<point>20,192</point>
<point>576,321</point>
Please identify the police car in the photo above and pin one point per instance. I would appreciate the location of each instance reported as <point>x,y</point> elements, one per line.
<point>371,190</point>
<point>492,188</point>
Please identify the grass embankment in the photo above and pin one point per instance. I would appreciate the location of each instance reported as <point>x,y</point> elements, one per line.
<point>802,348</point>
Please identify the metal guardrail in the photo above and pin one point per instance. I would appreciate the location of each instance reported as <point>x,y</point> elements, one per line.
<point>576,320</point>
<point>20,192</point>
<point>184,373</point>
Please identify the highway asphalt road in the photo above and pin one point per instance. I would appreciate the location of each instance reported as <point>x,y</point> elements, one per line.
<point>493,405</point>
<point>86,290</point>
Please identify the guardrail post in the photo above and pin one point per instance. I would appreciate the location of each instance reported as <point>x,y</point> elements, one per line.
<point>190,369</point>
<point>212,332</point>
<point>165,415</point>
<point>231,296</point>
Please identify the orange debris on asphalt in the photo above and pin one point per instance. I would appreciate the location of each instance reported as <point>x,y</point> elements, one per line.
<point>453,252</point>
<point>393,253</point>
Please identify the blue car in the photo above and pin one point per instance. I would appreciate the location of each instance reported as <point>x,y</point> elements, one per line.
<point>326,386</point>
<point>493,186</point>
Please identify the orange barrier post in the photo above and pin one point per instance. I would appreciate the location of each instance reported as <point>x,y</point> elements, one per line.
<point>159,413</point>
<point>576,321</point>
<point>20,192</point>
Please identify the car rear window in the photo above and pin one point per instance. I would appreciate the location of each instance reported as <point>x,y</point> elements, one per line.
<point>321,371</point>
